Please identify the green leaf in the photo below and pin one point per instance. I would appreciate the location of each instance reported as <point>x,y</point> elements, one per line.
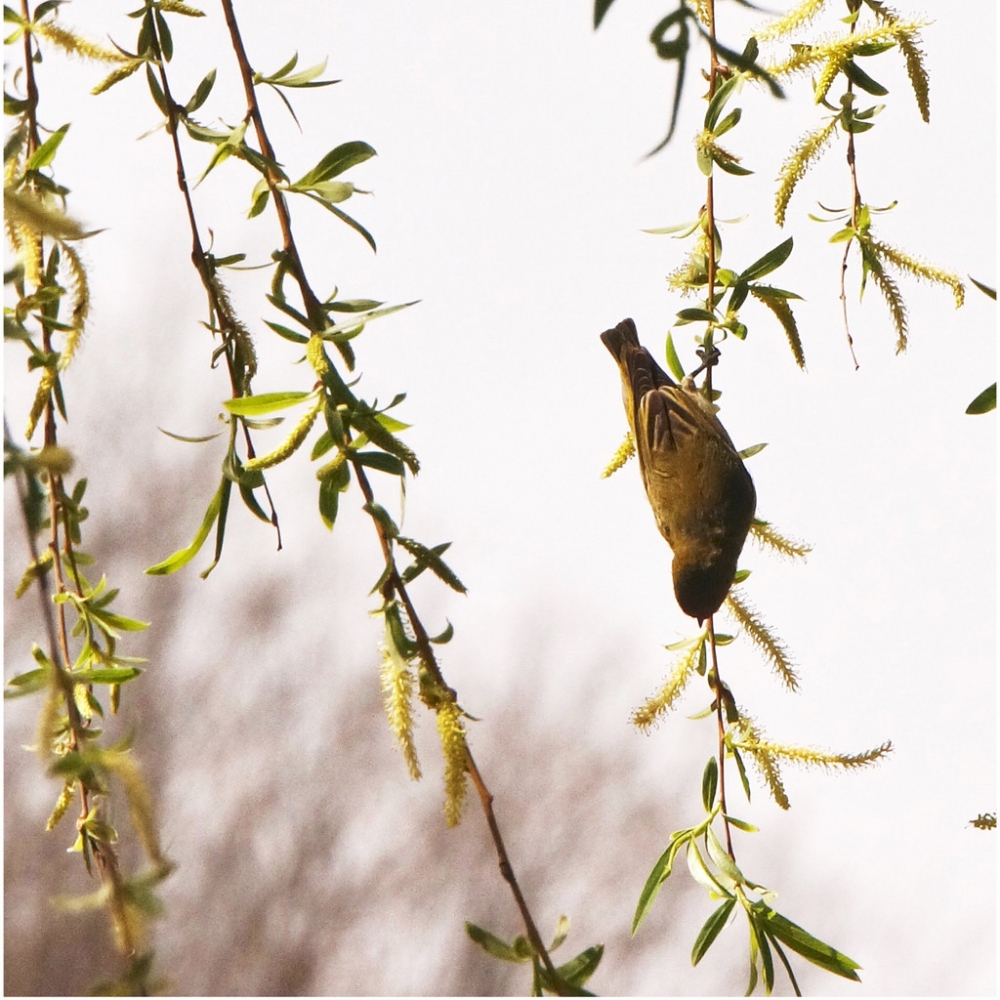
<point>329,499</point>
<point>984,402</point>
<point>861,79</point>
<point>27,683</point>
<point>189,440</point>
<point>430,559</point>
<point>382,461</point>
<point>166,39</point>
<point>600,9</point>
<point>268,402</point>
<point>730,121</point>
<point>183,556</point>
<point>700,871</point>
<point>752,450</point>
<point>985,289</point>
<point>760,941</point>
<point>391,424</point>
<point>492,945</point>
<point>259,198</point>
<point>580,968</point>
<point>855,125</point>
<point>867,49</point>
<point>381,515</point>
<point>695,315</point>
<point>440,640</point>
<point>304,78</point>
<point>705,160</point>
<point>770,292</point>
<point>802,942</point>
<point>771,261</point>
<point>344,217</point>
<point>723,860</point>
<point>283,331</point>
<point>730,167</point>
<point>741,768</point>
<point>350,328</point>
<point>201,93</point>
<point>673,361</point>
<point>660,873</point>
<point>115,621</point>
<point>413,571</point>
<point>709,784</point>
<point>353,305</point>
<point>741,824</point>
<point>719,100</point>
<point>345,156</point>
<point>710,930</point>
<point>105,675</point>
<point>46,152</point>
<point>251,501</point>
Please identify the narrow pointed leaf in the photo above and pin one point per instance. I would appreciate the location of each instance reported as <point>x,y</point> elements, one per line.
<point>710,930</point>
<point>183,556</point>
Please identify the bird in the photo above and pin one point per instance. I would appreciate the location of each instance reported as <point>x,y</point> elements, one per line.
<point>702,496</point>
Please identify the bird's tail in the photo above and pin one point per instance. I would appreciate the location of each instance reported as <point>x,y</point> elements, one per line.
<point>639,371</point>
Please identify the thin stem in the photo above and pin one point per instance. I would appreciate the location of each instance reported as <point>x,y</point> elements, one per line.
<point>219,309</point>
<point>56,626</point>
<point>507,870</point>
<point>843,302</point>
<point>309,299</point>
<point>395,585</point>
<point>713,72</point>
<point>855,212</point>
<point>394,582</point>
<point>720,717</point>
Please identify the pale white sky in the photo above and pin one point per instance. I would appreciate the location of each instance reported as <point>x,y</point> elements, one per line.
<point>509,195</point>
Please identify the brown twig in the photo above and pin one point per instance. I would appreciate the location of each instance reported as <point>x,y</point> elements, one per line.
<point>507,870</point>
<point>219,309</point>
<point>55,622</point>
<point>713,72</point>
<point>394,583</point>
<point>716,683</point>
<point>855,210</point>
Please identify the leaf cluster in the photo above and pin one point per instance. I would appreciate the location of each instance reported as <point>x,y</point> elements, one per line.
<point>569,978</point>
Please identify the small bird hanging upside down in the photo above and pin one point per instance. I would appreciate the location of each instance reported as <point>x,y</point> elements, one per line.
<point>702,496</point>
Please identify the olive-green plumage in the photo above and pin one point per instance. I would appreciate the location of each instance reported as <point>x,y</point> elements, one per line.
<point>702,496</point>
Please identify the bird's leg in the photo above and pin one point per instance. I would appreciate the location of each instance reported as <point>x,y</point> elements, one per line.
<point>709,359</point>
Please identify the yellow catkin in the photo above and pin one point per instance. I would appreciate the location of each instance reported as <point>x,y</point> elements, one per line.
<point>74,44</point>
<point>661,702</point>
<point>331,466</point>
<point>453,746</point>
<point>920,269</point>
<point>805,152</point>
<point>122,72</point>
<point>841,47</point>
<point>748,739</point>
<point>626,450</point>
<point>397,684</point>
<point>63,803</point>
<point>81,303</point>
<point>290,445</point>
<point>123,765</point>
<point>767,538</point>
<point>42,395</point>
<point>798,17</point>
<point>759,633</point>
<point>884,282</point>
<point>316,356</point>
<point>177,7</point>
